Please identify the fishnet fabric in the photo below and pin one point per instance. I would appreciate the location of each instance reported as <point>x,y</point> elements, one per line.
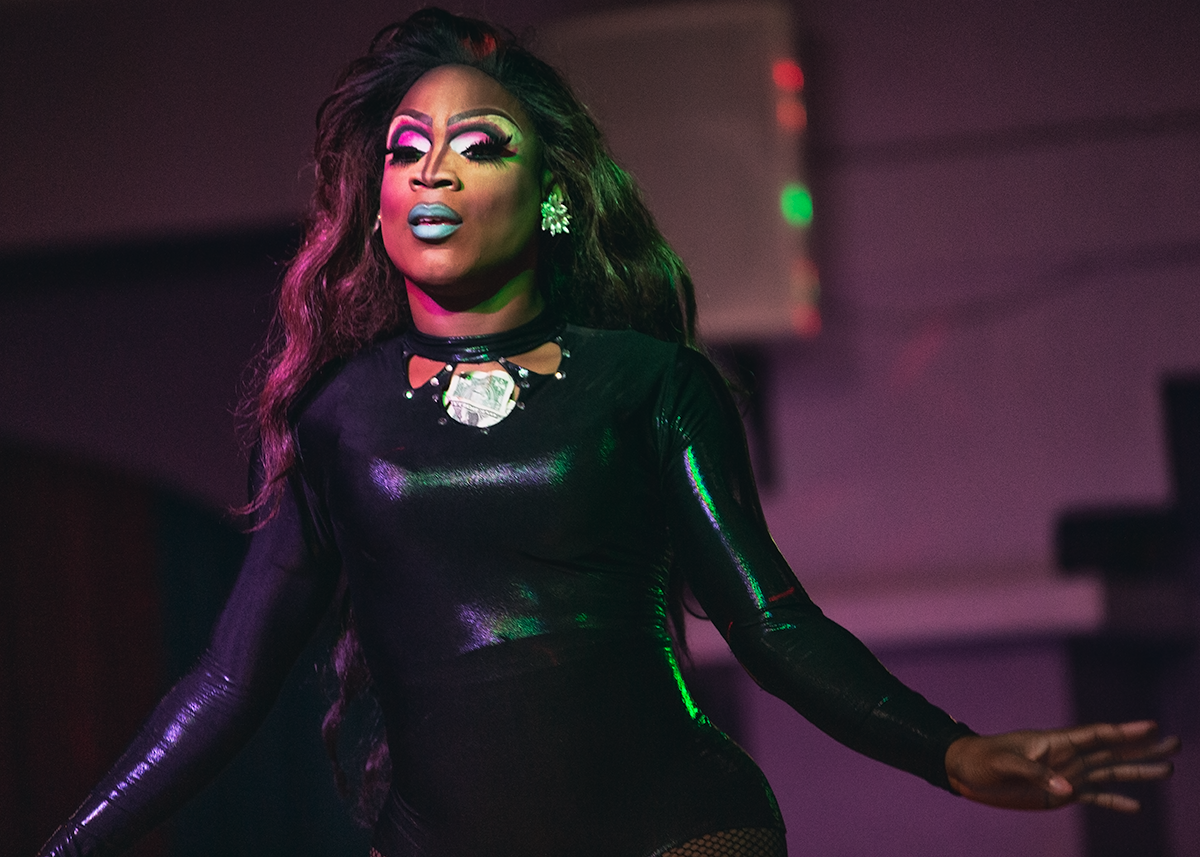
<point>743,842</point>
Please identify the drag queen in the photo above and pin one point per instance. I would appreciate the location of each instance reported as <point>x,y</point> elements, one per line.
<point>485,416</point>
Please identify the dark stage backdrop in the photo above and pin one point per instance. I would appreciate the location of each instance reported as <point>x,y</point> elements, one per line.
<point>111,587</point>
<point>80,616</point>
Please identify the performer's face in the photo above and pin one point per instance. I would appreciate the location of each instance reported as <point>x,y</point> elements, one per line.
<point>462,187</point>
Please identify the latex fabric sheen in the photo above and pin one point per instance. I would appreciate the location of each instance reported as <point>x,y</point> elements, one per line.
<point>509,589</point>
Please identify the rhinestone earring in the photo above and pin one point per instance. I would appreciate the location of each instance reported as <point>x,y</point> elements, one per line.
<point>555,218</point>
<point>378,222</point>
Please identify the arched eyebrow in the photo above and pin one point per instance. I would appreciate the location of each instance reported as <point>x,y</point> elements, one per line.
<point>481,111</point>
<point>423,118</point>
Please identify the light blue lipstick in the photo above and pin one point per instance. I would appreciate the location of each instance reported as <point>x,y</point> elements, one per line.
<point>430,221</point>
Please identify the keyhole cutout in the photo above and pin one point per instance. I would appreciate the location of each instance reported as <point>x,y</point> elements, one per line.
<point>543,360</point>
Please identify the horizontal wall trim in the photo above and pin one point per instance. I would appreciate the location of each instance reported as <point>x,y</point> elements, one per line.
<point>1055,607</point>
<point>1003,141</point>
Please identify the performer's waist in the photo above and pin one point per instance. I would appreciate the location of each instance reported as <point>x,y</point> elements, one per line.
<point>558,649</point>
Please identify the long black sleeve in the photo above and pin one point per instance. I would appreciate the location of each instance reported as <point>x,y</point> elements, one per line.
<point>281,593</point>
<point>748,591</point>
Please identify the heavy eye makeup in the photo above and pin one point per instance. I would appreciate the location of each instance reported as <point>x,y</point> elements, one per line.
<point>407,145</point>
<point>484,143</point>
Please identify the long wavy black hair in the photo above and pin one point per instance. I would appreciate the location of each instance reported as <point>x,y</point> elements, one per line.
<point>613,270</point>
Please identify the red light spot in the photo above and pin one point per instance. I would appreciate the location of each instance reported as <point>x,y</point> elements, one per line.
<point>790,113</point>
<point>806,320</point>
<point>787,75</point>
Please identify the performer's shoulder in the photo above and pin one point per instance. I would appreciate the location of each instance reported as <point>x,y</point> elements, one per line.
<point>353,375</point>
<point>621,346</point>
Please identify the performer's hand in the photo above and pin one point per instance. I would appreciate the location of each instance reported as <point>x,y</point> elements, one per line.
<point>1042,769</point>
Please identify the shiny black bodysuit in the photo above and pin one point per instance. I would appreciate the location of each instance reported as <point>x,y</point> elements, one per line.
<point>509,589</point>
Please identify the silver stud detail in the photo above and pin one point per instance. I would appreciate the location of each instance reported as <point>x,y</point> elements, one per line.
<point>434,381</point>
<point>560,375</point>
<point>442,421</point>
<point>408,394</point>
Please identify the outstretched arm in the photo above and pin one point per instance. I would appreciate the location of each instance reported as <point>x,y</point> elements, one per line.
<point>1043,769</point>
<point>748,591</point>
<point>284,587</point>
<point>793,651</point>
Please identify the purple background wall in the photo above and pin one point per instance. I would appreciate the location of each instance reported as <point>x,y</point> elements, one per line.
<point>1009,224</point>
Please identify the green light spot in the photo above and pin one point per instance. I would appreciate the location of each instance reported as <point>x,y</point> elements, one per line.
<point>796,205</point>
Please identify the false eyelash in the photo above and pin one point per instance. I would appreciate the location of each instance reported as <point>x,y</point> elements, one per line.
<point>492,149</point>
<point>404,154</point>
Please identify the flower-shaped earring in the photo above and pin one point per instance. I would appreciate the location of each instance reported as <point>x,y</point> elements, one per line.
<point>555,218</point>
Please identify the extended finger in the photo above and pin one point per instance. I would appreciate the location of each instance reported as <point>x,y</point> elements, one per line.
<point>1138,752</point>
<point>1102,735</point>
<point>1130,773</point>
<point>1111,800</point>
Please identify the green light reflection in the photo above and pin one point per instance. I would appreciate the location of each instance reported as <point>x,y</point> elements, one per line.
<point>705,497</point>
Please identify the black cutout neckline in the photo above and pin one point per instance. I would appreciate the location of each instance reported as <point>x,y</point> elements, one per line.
<point>483,349</point>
